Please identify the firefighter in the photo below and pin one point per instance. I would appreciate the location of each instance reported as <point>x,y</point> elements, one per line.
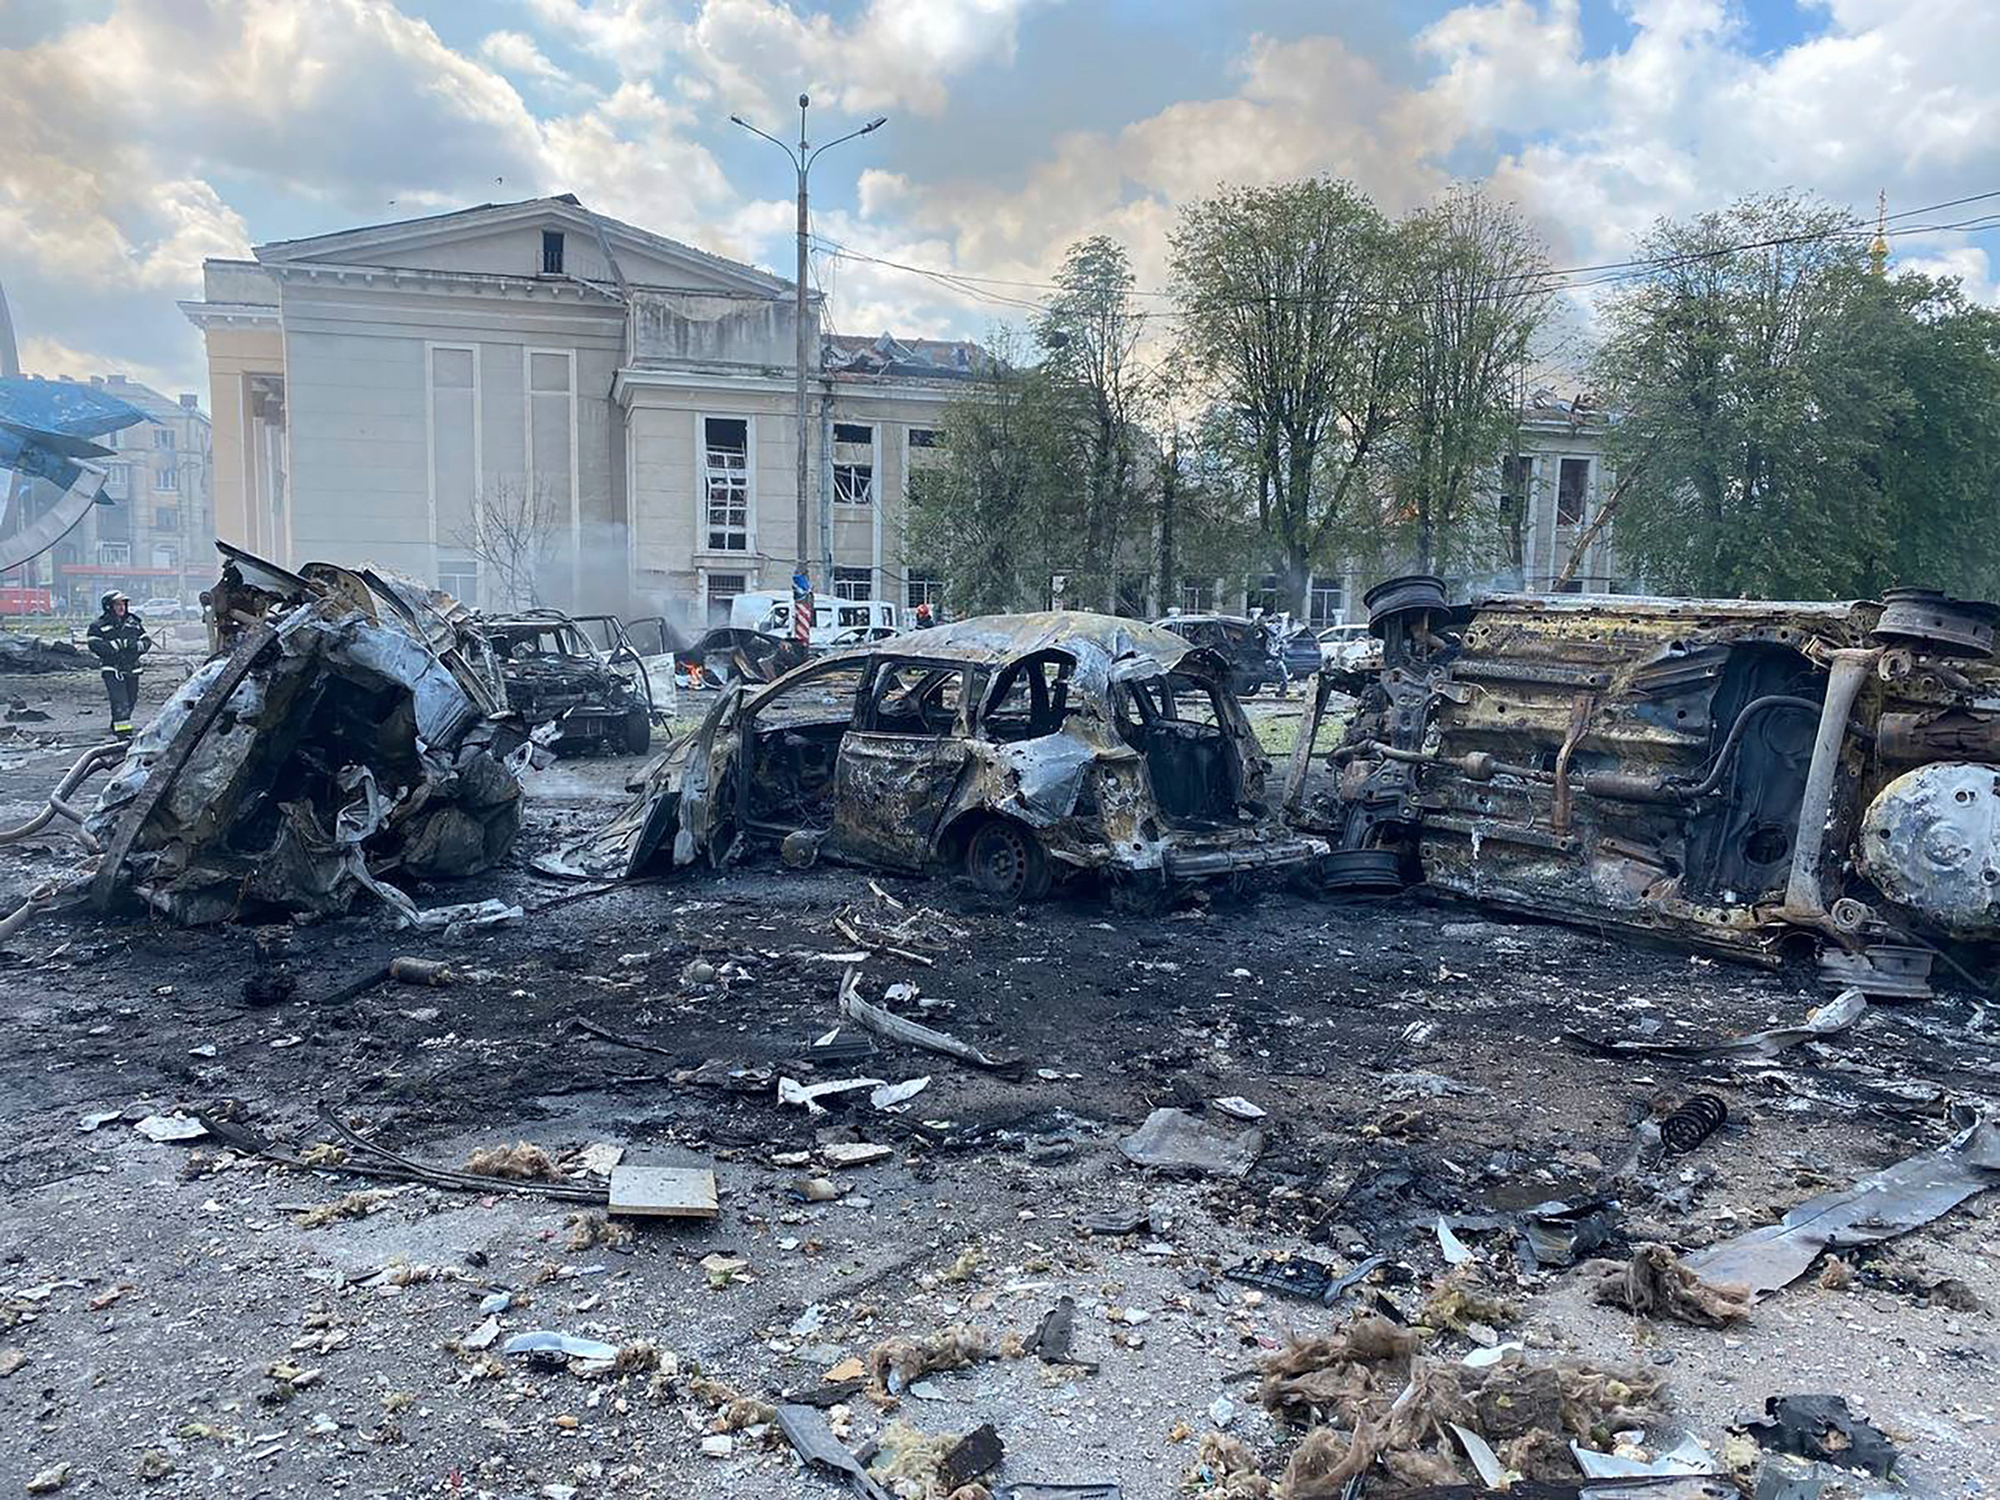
<point>118,639</point>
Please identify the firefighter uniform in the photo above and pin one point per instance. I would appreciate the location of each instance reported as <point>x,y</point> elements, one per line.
<point>117,639</point>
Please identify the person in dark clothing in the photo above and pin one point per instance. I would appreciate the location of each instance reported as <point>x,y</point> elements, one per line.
<point>118,639</point>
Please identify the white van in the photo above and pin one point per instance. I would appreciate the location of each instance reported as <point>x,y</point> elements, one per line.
<point>836,622</point>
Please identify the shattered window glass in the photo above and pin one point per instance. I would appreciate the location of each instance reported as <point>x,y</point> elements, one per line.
<point>726,481</point>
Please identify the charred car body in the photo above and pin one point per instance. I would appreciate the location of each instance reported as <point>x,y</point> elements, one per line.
<point>1747,777</point>
<point>1015,747</point>
<point>570,695</point>
<point>349,729</point>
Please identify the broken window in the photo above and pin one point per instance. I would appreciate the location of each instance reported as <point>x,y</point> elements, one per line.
<point>1517,476</point>
<point>853,463</point>
<point>552,252</point>
<point>915,697</point>
<point>726,482</point>
<point>1572,488</point>
<point>1197,596</point>
<point>722,591</point>
<point>1327,600</point>
<point>164,556</point>
<point>854,583</point>
<point>1030,698</point>
<point>925,588</point>
<point>926,437</point>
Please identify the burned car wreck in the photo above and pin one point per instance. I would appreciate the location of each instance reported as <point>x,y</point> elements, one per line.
<point>350,730</point>
<point>569,693</point>
<point>1017,748</point>
<point>1763,780</point>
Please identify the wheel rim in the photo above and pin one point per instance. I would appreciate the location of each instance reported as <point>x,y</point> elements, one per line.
<point>999,861</point>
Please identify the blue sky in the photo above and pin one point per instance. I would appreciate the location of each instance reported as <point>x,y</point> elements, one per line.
<point>137,136</point>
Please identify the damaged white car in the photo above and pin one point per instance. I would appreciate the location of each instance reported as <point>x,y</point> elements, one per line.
<point>1018,749</point>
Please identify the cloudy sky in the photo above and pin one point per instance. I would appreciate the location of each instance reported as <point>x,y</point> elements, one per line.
<point>137,136</point>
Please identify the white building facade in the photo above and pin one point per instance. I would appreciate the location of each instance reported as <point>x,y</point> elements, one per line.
<point>444,395</point>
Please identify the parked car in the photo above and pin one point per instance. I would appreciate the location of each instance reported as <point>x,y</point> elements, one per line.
<point>1244,644</point>
<point>562,685</point>
<point>161,609</point>
<point>1013,748</point>
<point>1295,647</point>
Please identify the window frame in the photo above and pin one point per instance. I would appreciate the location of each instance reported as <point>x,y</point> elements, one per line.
<point>703,529</point>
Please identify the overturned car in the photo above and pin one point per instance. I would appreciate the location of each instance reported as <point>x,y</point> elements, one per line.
<point>1016,748</point>
<point>1758,779</point>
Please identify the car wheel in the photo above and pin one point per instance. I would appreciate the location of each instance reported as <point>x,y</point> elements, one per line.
<point>638,732</point>
<point>1006,862</point>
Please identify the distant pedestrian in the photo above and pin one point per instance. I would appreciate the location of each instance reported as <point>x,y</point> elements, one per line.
<point>118,639</point>
<point>924,620</point>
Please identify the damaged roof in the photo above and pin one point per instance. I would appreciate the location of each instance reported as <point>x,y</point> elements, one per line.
<point>912,359</point>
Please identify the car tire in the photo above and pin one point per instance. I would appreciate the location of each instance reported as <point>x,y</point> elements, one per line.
<point>1007,862</point>
<point>638,732</point>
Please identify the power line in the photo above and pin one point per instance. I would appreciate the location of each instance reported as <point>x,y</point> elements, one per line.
<point>1551,280</point>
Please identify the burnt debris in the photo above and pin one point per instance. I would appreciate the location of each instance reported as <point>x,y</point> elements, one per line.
<point>349,733</point>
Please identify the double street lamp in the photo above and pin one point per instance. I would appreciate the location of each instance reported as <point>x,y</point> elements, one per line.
<point>802,157</point>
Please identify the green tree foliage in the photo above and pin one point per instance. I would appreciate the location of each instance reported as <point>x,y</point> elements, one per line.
<point>1791,424</point>
<point>1089,332</point>
<point>1936,466</point>
<point>991,519</point>
<point>1471,286</point>
<point>1283,293</point>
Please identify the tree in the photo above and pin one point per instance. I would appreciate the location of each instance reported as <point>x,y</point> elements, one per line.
<point>1282,292</point>
<point>1749,403</point>
<point>1936,465</point>
<point>1089,331</point>
<point>513,532</point>
<point>990,519</point>
<point>1471,279</point>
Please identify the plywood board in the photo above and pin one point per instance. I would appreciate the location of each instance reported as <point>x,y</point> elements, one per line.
<point>663,1192</point>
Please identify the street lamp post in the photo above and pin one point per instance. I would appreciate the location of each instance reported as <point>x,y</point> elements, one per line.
<point>802,157</point>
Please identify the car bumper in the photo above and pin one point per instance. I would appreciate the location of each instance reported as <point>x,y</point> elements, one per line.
<point>1200,861</point>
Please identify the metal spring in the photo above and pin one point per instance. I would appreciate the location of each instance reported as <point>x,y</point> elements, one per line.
<point>1693,1123</point>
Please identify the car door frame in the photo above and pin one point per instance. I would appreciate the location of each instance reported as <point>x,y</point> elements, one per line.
<point>892,788</point>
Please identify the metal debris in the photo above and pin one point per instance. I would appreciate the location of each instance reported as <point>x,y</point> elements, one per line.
<point>1173,1140</point>
<point>1892,1202</point>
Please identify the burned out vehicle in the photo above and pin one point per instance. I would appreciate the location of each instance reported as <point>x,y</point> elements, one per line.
<point>568,693</point>
<point>349,731</point>
<point>1756,779</point>
<point>1016,748</point>
<point>1244,644</point>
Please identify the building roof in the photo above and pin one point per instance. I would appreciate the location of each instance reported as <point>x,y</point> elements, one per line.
<point>155,405</point>
<point>563,206</point>
<point>886,355</point>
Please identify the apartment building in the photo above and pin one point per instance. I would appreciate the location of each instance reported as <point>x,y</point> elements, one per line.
<point>152,534</point>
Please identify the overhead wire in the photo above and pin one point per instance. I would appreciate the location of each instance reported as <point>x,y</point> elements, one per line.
<point>1550,280</point>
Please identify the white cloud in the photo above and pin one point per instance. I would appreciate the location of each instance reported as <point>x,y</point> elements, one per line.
<point>516,53</point>
<point>898,54</point>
